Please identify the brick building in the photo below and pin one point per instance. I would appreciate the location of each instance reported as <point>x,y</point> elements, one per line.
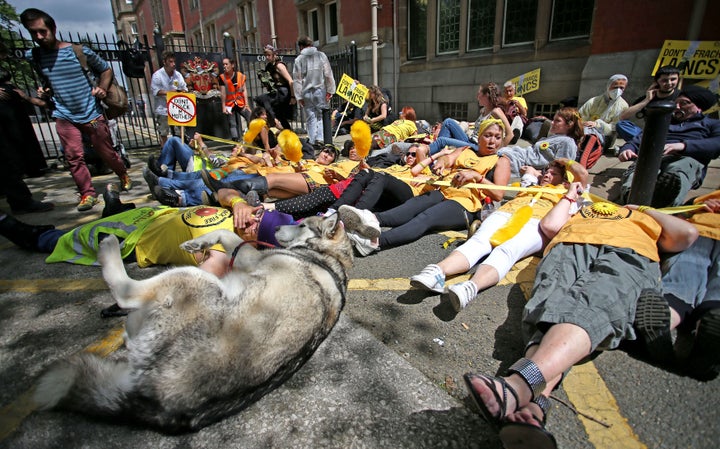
<point>432,54</point>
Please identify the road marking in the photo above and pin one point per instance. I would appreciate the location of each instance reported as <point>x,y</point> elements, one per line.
<point>587,391</point>
<point>13,414</point>
<point>584,385</point>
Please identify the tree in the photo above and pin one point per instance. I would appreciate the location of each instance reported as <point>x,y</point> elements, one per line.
<point>10,40</point>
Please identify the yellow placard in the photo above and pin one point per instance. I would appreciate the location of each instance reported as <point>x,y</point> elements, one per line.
<point>352,91</point>
<point>696,59</point>
<point>182,109</point>
<point>527,82</point>
<point>714,87</point>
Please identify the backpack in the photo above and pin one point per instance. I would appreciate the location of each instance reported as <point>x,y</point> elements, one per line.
<point>589,150</point>
<point>115,102</point>
<point>133,59</point>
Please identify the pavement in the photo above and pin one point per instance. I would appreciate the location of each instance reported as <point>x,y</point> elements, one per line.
<point>389,375</point>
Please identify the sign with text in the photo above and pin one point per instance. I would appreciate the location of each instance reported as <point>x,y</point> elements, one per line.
<point>527,82</point>
<point>182,109</point>
<point>695,59</point>
<point>352,91</point>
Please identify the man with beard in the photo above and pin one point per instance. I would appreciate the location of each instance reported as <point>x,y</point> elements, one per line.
<point>693,140</point>
<point>77,108</point>
<point>665,87</point>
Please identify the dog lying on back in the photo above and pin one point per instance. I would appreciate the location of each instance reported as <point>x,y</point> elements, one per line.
<point>200,348</point>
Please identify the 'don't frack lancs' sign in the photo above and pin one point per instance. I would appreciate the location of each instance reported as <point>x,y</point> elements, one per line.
<point>695,59</point>
<point>352,90</point>
<point>527,82</point>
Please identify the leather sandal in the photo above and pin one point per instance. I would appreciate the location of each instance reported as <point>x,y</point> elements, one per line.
<point>521,435</point>
<point>490,382</point>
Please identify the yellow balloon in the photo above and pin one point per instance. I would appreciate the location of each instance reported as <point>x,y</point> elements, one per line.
<point>512,227</point>
<point>290,144</point>
<point>256,125</point>
<point>361,137</point>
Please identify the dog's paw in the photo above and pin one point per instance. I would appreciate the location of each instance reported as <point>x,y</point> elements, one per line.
<point>195,245</point>
<point>109,246</point>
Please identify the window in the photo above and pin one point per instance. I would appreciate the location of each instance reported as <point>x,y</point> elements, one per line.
<point>417,29</point>
<point>247,18</point>
<point>211,35</point>
<point>458,111</point>
<point>133,28</point>
<point>448,26</point>
<point>481,24</point>
<point>313,27</point>
<point>571,19</point>
<point>331,23</point>
<point>519,26</point>
<point>194,4</point>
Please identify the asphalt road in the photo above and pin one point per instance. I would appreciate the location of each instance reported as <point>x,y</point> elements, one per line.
<point>50,311</point>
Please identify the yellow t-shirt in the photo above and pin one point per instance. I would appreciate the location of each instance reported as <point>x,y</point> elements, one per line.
<point>707,223</point>
<point>401,129</point>
<point>541,207</point>
<point>404,173</point>
<point>160,243</point>
<point>607,224</point>
<point>470,199</point>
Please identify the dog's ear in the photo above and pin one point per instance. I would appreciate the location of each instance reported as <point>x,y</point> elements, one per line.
<point>331,225</point>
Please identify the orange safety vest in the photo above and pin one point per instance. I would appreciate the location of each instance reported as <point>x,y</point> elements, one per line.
<point>232,95</point>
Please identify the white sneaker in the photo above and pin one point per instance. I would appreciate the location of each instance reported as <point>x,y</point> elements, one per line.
<point>361,221</point>
<point>459,295</point>
<point>430,278</point>
<point>363,245</point>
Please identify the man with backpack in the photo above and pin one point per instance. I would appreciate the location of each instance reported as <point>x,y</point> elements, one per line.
<point>76,103</point>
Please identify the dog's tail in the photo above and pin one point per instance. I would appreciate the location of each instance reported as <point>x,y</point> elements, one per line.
<point>85,383</point>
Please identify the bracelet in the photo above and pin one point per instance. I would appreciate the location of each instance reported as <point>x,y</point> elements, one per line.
<point>644,208</point>
<point>422,165</point>
<point>236,200</point>
<point>565,197</point>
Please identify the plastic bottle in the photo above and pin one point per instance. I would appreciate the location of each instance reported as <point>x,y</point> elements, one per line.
<point>487,209</point>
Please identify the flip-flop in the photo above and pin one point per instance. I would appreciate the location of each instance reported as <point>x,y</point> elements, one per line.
<point>520,435</point>
<point>489,381</point>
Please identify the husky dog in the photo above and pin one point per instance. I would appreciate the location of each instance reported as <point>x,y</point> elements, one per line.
<point>200,348</point>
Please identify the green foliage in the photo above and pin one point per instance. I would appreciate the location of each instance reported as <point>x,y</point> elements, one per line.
<point>9,40</point>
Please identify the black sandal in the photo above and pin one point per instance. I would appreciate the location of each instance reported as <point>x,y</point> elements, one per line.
<point>489,381</point>
<point>521,435</point>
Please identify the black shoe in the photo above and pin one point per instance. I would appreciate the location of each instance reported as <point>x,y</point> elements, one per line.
<point>252,198</point>
<point>151,178</point>
<point>212,183</point>
<point>652,322</point>
<point>259,184</point>
<point>22,234</point>
<point>113,311</point>
<point>155,167</point>
<point>667,188</point>
<point>516,136</point>
<point>168,197</point>
<point>32,207</point>
<point>111,197</point>
<point>704,361</point>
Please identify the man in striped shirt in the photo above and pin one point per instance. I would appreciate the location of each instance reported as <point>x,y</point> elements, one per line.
<point>77,108</point>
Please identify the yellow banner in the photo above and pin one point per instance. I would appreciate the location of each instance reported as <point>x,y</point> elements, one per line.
<point>527,82</point>
<point>714,87</point>
<point>697,59</point>
<point>352,91</point>
<point>182,109</point>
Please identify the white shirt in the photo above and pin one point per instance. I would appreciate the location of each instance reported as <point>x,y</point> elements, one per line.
<point>162,81</point>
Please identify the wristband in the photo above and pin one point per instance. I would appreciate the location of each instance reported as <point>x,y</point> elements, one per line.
<point>422,165</point>
<point>236,200</point>
<point>565,197</point>
<point>644,208</point>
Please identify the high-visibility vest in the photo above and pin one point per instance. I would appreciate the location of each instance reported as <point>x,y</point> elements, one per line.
<point>232,95</point>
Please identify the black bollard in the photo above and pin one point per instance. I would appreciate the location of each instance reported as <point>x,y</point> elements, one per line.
<point>327,126</point>
<point>657,121</point>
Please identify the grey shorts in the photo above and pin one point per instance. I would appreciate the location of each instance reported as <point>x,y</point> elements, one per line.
<point>161,121</point>
<point>593,287</point>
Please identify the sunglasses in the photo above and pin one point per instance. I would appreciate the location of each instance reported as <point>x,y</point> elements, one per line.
<point>413,154</point>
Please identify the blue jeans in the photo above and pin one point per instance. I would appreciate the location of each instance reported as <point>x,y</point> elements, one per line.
<point>693,275</point>
<point>190,185</point>
<point>627,130</point>
<point>175,151</point>
<point>451,134</point>
<point>314,103</point>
